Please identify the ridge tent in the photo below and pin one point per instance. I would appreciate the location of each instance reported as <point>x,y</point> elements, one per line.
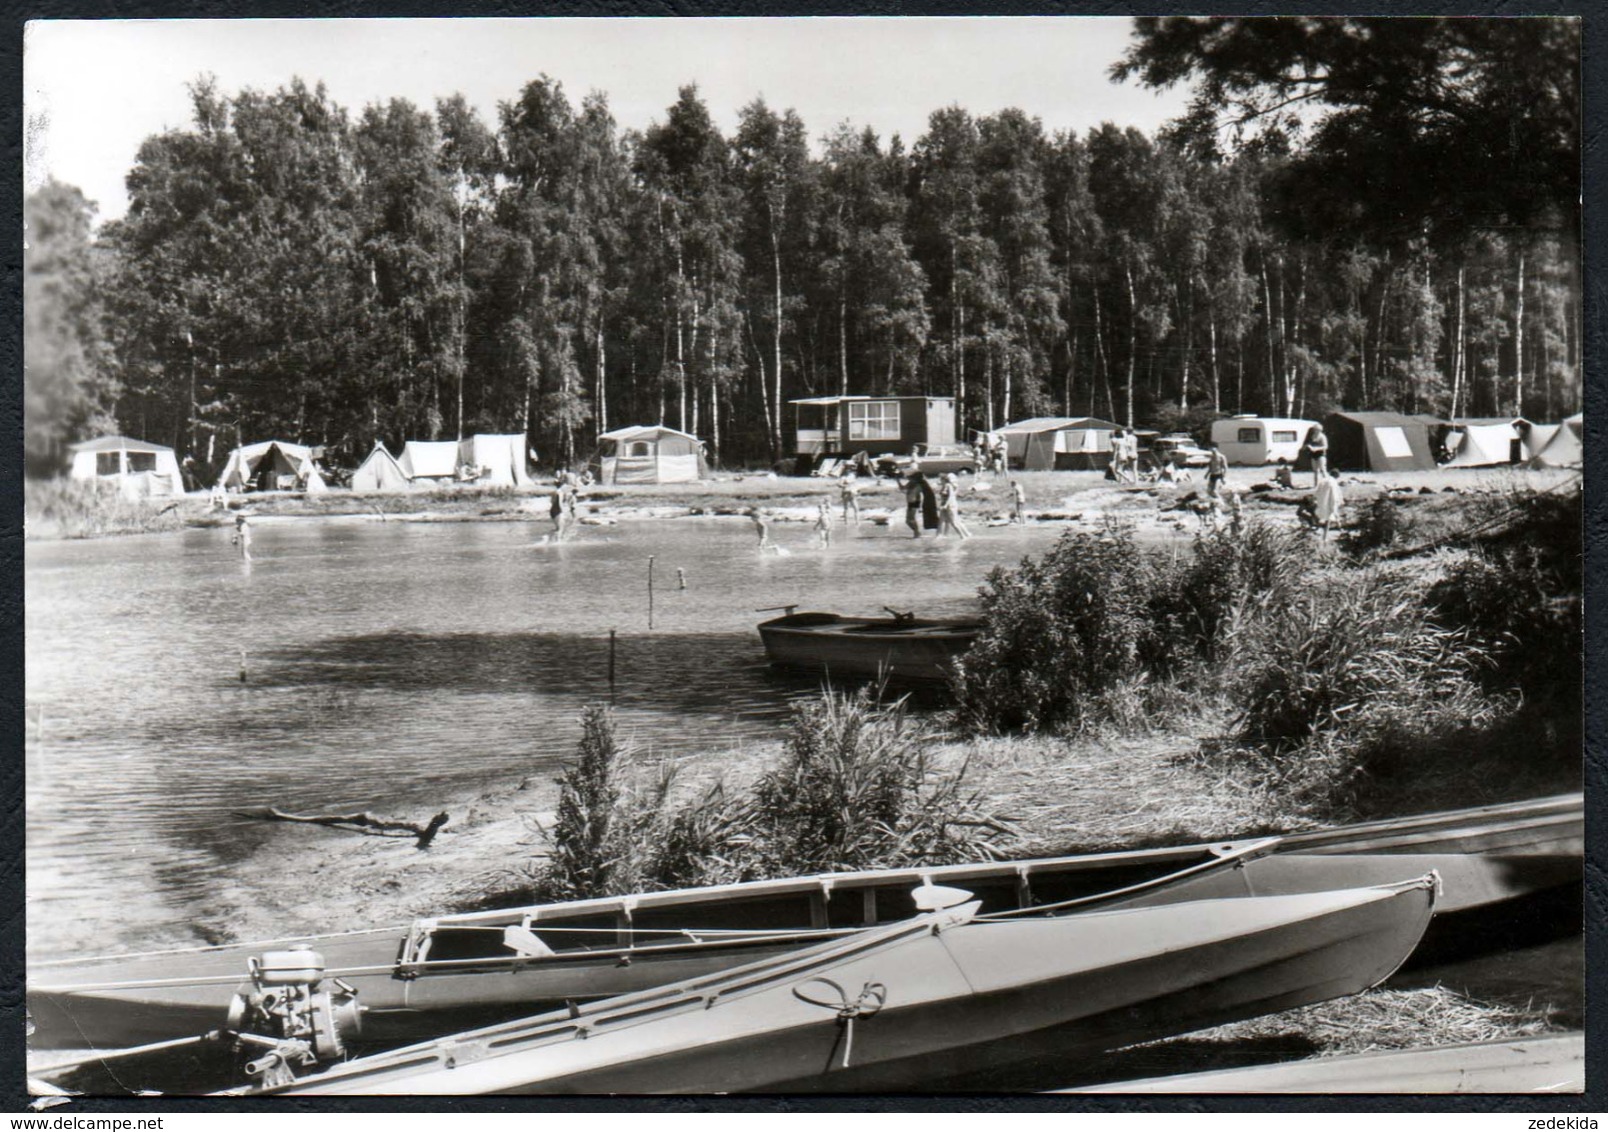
<point>258,467</point>
<point>379,472</point>
<point>1047,443</point>
<point>498,457</point>
<point>430,459</point>
<point>310,479</point>
<point>1376,442</point>
<point>138,468</point>
<point>1534,437</point>
<point>649,454</point>
<point>1483,443</point>
<point>1566,448</point>
<point>1249,441</point>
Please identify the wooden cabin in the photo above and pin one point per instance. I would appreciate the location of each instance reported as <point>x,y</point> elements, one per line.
<point>836,427</point>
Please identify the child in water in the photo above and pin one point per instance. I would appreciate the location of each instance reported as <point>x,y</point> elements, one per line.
<point>823,523</point>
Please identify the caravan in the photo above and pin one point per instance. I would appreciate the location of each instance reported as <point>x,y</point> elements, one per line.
<point>1251,441</point>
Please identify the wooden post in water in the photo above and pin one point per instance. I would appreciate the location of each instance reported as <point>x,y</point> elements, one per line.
<point>650,593</point>
<point>611,660</point>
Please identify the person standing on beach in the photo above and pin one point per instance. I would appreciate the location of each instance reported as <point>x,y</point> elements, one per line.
<point>1018,504</point>
<point>1327,501</point>
<point>1216,471</point>
<point>1317,446</point>
<point>849,494</point>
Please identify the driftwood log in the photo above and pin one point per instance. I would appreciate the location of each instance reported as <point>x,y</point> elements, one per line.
<point>358,823</point>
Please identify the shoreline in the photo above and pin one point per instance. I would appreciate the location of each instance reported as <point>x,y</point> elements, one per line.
<point>1052,498</point>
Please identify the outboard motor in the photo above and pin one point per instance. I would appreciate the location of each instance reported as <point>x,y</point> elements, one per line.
<point>293,1014</point>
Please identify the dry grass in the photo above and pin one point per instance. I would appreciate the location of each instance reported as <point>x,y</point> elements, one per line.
<point>1383,1019</point>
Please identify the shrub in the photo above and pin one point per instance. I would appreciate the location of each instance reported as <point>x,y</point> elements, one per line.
<point>1231,583</point>
<point>1061,632</point>
<point>600,835</point>
<point>854,790</point>
<point>1341,649</point>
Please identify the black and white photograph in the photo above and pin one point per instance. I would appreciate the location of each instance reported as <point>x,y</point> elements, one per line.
<point>803,555</point>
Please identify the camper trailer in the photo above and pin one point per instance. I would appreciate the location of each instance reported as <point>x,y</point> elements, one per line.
<point>1251,441</point>
<point>835,427</point>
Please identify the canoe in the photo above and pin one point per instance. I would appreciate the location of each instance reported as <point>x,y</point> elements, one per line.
<point>900,648</point>
<point>945,1001</point>
<point>1555,1063</point>
<point>1539,826</point>
<point>455,972</point>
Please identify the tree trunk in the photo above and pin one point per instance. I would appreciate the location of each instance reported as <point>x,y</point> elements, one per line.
<point>1217,381</point>
<point>1133,338</point>
<point>843,340</point>
<point>1518,343</point>
<point>1457,349</point>
<point>602,379</point>
<point>776,354</point>
<point>1100,357</point>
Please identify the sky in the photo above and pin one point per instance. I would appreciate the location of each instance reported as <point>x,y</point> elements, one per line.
<point>94,90</point>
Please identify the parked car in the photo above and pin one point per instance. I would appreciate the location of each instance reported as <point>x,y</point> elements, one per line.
<point>933,459</point>
<point>1178,450</point>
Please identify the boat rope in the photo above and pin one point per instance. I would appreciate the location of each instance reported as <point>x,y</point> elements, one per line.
<point>872,998</point>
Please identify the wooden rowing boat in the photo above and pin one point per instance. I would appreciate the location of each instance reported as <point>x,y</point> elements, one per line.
<point>942,1002</point>
<point>899,647</point>
<point>1554,1063</point>
<point>454,972</point>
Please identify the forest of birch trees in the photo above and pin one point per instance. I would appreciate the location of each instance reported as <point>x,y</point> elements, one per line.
<point>1352,215</point>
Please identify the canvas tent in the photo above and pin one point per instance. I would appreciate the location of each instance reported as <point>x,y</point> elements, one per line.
<point>1482,443</point>
<point>1377,442</point>
<point>1566,448</point>
<point>136,467</point>
<point>430,459</point>
<point>264,466</point>
<point>379,472</point>
<point>649,454</point>
<point>1046,443</point>
<point>310,478</point>
<point>500,458</point>
<point>1533,438</point>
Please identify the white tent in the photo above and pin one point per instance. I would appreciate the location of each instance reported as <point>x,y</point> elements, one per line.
<point>244,466</point>
<point>136,467</point>
<point>1565,449</point>
<point>1481,444</point>
<point>379,472</point>
<point>430,459</point>
<point>312,482</point>
<point>499,457</point>
<point>1534,438</point>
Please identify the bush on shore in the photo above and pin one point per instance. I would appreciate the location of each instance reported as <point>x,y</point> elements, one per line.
<point>854,789</point>
<point>1352,688</point>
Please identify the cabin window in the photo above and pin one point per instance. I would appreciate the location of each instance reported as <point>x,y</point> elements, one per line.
<point>108,463</point>
<point>873,420</point>
<point>142,461</point>
<point>639,448</point>
<point>1284,437</point>
<point>1250,435</point>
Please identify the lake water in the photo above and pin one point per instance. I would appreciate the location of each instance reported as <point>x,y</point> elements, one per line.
<point>389,666</point>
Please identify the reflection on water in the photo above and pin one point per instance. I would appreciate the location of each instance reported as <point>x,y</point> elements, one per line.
<point>386,666</point>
